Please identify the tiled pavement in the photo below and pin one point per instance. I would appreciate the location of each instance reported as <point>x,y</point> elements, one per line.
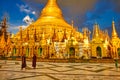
<point>11,70</point>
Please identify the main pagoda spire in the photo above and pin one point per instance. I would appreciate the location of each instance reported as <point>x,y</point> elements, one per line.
<point>51,10</point>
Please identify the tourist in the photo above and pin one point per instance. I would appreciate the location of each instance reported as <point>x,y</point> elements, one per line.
<point>34,61</point>
<point>23,61</point>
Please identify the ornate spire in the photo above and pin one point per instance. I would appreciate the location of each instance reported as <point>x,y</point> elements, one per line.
<point>72,23</point>
<point>4,23</point>
<point>3,42</point>
<point>43,40</point>
<point>27,35</point>
<point>64,36</point>
<point>34,35</point>
<point>4,28</point>
<point>114,33</point>
<point>85,33</point>
<point>106,35</point>
<point>54,37</point>
<point>51,10</point>
<point>8,40</point>
<point>96,31</point>
<point>43,36</point>
<point>71,34</point>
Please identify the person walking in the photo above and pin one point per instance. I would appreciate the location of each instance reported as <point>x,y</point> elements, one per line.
<point>23,62</point>
<point>34,61</point>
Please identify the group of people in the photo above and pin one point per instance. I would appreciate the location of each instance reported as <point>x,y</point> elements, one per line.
<point>24,61</point>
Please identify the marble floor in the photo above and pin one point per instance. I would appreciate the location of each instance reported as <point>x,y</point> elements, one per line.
<point>11,70</point>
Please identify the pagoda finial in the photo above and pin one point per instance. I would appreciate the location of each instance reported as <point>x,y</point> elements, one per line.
<point>114,33</point>
<point>96,31</point>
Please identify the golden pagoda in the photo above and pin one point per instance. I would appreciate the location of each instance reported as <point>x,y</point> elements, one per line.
<point>43,35</point>
<point>115,41</point>
<point>51,37</point>
<point>99,43</point>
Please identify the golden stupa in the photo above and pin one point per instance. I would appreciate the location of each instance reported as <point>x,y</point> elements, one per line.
<point>49,30</point>
<point>51,19</point>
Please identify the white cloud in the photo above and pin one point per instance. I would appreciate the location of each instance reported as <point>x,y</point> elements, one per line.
<point>28,20</point>
<point>34,12</point>
<point>26,9</point>
<point>15,29</point>
<point>23,26</point>
<point>12,28</point>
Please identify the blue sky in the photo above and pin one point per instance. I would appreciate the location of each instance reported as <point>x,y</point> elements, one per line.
<point>84,12</point>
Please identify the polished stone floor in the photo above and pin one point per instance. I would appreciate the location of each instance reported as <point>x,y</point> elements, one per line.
<point>11,70</point>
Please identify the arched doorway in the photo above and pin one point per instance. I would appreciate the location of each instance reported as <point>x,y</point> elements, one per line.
<point>40,51</point>
<point>14,51</point>
<point>99,52</point>
<point>71,52</point>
